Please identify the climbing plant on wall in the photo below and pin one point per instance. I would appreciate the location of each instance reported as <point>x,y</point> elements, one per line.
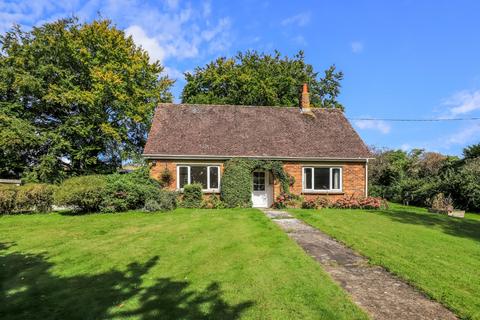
<point>236,185</point>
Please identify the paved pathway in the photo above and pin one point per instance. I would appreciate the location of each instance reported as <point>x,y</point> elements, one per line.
<point>379,293</point>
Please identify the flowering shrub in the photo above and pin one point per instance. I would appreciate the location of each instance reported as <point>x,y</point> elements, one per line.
<point>360,203</point>
<point>346,203</point>
<point>286,200</point>
<point>309,204</point>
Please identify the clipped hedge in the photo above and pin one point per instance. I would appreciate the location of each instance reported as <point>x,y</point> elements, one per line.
<point>84,193</point>
<point>35,197</point>
<point>8,197</point>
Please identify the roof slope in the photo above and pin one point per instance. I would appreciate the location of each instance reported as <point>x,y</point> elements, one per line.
<point>250,131</point>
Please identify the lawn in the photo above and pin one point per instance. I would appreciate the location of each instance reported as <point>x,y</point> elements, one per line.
<point>187,264</point>
<point>436,253</point>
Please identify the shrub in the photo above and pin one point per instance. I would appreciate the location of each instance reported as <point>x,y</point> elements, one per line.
<point>212,202</point>
<point>84,193</point>
<point>35,197</point>
<point>322,202</point>
<point>236,183</point>
<point>167,200</point>
<point>192,195</point>
<point>309,204</point>
<point>166,177</point>
<point>7,199</point>
<point>440,202</point>
<point>287,200</point>
<point>152,205</point>
<point>360,203</point>
<point>129,191</point>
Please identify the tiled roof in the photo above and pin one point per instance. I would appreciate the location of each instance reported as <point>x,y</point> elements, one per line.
<point>252,131</point>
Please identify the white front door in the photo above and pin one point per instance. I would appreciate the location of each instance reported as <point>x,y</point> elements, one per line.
<point>261,197</point>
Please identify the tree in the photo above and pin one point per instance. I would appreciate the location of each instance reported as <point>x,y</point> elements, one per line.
<point>260,79</point>
<point>472,152</point>
<point>74,99</point>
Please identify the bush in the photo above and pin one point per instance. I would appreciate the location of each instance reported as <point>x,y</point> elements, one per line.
<point>129,191</point>
<point>167,200</point>
<point>236,183</point>
<point>212,202</point>
<point>360,203</point>
<point>7,199</point>
<point>84,193</point>
<point>192,195</point>
<point>36,197</point>
<point>322,202</point>
<point>442,203</point>
<point>287,200</point>
<point>309,204</point>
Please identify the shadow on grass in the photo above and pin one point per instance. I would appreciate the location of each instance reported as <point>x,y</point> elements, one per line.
<point>467,228</point>
<point>29,290</point>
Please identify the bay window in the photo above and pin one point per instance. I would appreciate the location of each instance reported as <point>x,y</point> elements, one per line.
<point>322,179</point>
<point>207,176</point>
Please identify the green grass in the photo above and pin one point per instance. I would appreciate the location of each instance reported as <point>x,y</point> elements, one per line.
<point>436,253</point>
<point>188,264</point>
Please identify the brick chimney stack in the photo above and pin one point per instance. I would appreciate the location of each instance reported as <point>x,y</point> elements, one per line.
<point>305,99</point>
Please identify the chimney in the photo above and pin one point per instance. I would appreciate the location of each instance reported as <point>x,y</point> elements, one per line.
<point>305,99</point>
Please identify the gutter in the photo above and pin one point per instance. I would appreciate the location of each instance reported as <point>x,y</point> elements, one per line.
<point>221,157</point>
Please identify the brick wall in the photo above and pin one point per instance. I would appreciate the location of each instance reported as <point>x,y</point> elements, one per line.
<point>353,176</point>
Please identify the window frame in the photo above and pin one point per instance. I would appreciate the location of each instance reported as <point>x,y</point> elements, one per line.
<point>189,176</point>
<point>330,189</point>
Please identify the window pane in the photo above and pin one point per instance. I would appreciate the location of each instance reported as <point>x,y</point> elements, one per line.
<point>321,178</point>
<point>258,181</point>
<point>182,176</point>
<point>199,175</point>
<point>308,178</point>
<point>336,178</point>
<point>213,177</point>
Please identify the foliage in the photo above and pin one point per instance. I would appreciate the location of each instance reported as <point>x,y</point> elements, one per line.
<point>417,176</point>
<point>287,200</point>
<point>472,152</point>
<point>236,184</point>
<point>346,203</point>
<point>260,79</point>
<point>85,193</point>
<point>164,201</point>
<point>192,195</point>
<point>166,177</point>
<point>74,99</point>
<point>36,197</point>
<point>440,202</point>
<point>129,191</point>
<point>212,202</point>
<point>8,196</point>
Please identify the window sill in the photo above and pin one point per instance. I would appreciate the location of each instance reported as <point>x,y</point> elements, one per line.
<point>339,192</point>
<point>203,191</point>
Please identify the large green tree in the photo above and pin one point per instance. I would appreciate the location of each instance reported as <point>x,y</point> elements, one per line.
<point>74,99</point>
<point>253,78</point>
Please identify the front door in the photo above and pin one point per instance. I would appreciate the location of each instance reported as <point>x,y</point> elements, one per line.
<point>261,190</point>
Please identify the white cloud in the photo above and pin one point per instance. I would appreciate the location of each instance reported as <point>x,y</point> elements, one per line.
<point>463,102</point>
<point>378,125</point>
<point>405,147</point>
<point>153,47</point>
<point>356,46</point>
<point>463,136</point>
<point>301,19</point>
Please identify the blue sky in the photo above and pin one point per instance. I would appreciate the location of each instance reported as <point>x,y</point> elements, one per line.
<point>401,59</point>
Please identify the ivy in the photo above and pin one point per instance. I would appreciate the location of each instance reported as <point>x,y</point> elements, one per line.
<point>236,182</point>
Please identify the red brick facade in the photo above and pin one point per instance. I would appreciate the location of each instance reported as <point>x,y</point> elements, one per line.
<point>353,176</point>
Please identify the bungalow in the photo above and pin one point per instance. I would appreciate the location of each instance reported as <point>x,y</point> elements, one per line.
<point>317,146</point>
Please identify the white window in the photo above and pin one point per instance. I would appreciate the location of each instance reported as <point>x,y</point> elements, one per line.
<point>322,179</point>
<point>207,176</point>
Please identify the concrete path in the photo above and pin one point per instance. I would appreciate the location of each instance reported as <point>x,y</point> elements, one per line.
<point>379,293</point>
